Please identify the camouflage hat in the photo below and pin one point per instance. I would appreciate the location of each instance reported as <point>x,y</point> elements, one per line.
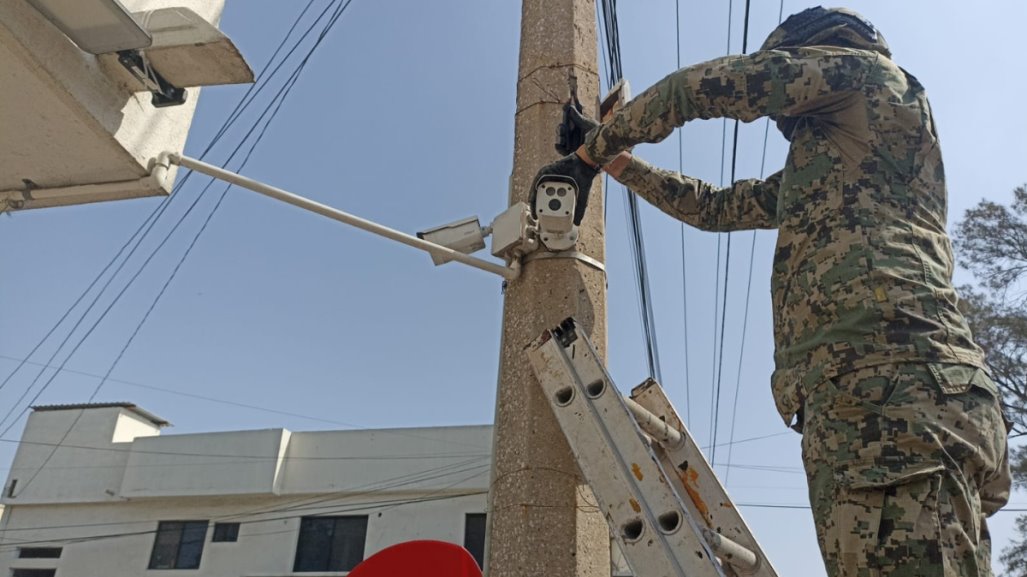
<point>821,26</point>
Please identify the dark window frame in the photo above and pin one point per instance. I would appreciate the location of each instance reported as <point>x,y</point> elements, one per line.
<point>188,552</point>
<point>225,533</point>
<point>32,572</point>
<point>40,552</point>
<point>472,522</point>
<point>330,543</point>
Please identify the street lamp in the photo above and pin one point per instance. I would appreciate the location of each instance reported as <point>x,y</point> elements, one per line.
<point>95,26</point>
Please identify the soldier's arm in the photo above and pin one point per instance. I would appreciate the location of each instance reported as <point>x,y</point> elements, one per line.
<point>770,83</point>
<point>746,204</point>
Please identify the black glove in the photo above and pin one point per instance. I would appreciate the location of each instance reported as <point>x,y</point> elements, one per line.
<point>571,132</point>
<point>572,167</point>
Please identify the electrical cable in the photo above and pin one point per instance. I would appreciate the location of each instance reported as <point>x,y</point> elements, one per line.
<point>302,503</point>
<point>280,98</point>
<point>151,220</point>
<point>684,278</point>
<point>371,489</point>
<point>748,287</point>
<point>113,449</point>
<point>727,259</point>
<point>392,503</point>
<point>171,391</point>
<point>636,240</point>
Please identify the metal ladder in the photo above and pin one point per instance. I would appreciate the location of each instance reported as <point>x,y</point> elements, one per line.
<point>661,498</point>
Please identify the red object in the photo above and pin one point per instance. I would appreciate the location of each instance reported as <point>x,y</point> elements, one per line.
<point>419,559</point>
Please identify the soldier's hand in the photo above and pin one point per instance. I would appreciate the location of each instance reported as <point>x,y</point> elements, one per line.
<point>571,132</point>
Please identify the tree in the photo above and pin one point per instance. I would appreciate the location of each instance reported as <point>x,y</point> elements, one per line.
<point>991,242</point>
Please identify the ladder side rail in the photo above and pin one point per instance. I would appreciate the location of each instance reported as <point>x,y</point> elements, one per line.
<point>655,531</point>
<point>735,557</point>
<point>694,476</point>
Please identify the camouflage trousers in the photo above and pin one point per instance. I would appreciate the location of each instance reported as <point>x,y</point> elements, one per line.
<point>904,462</point>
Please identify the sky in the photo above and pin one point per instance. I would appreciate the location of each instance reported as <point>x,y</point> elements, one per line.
<point>404,115</point>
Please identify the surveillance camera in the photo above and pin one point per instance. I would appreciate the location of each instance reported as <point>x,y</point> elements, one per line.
<point>464,235</point>
<point>554,201</point>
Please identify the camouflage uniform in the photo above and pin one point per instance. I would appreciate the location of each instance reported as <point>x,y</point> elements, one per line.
<point>903,432</point>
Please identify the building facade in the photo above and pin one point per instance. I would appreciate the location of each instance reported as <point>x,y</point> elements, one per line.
<point>96,491</point>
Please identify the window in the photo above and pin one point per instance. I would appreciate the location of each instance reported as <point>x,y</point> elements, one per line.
<point>225,532</point>
<point>330,543</point>
<point>39,552</point>
<point>178,545</point>
<point>474,536</point>
<point>33,572</point>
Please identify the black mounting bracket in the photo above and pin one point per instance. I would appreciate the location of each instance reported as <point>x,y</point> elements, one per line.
<point>164,93</point>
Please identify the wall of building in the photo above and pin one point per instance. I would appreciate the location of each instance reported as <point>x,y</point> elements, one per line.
<point>102,501</point>
<point>82,460</point>
<point>121,535</point>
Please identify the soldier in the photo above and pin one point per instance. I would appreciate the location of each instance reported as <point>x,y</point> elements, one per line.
<point>904,442</point>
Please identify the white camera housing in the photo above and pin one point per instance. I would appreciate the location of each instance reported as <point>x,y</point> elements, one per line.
<point>514,232</point>
<point>464,235</point>
<point>555,200</point>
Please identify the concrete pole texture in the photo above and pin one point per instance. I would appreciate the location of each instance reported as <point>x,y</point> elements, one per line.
<point>543,518</point>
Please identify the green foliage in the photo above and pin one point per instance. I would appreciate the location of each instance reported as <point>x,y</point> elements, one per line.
<point>1014,557</point>
<point>1001,330</point>
<point>991,242</point>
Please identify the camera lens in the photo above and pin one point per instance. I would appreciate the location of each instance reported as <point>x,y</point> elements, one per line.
<point>554,204</point>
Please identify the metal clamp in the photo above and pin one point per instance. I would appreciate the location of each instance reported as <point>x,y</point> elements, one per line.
<point>572,254</point>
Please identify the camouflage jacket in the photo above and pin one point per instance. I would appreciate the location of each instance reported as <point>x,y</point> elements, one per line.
<point>863,266</point>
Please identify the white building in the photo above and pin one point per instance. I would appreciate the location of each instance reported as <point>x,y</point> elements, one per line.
<point>95,490</point>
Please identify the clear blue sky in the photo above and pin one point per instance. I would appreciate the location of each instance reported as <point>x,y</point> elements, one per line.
<point>405,116</point>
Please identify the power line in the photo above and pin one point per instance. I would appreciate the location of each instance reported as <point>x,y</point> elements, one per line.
<point>636,238</point>
<point>371,489</point>
<point>280,98</point>
<point>748,286</point>
<point>684,278</point>
<point>391,503</point>
<point>152,219</point>
<point>112,449</point>
<point>171,391</point>
<point>727,256</point>
<point>716,274</point>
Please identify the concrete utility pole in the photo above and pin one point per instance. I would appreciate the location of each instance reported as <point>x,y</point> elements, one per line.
<point>543,519</point>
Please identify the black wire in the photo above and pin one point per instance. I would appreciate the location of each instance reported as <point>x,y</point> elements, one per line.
<point>748,288</point>
<point>716,309</point>
<point>344,493</point>
<point>96,391</point>
<point>727,258</point>
<point>80,298</point>
<point>391,503</point>
<point>249,458</point>
<point>280,98</point>
<point>150,221</point>
<point>171,391</point>
<point>637,239</point>
<point>113,449</point>
<point>684,278</point>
